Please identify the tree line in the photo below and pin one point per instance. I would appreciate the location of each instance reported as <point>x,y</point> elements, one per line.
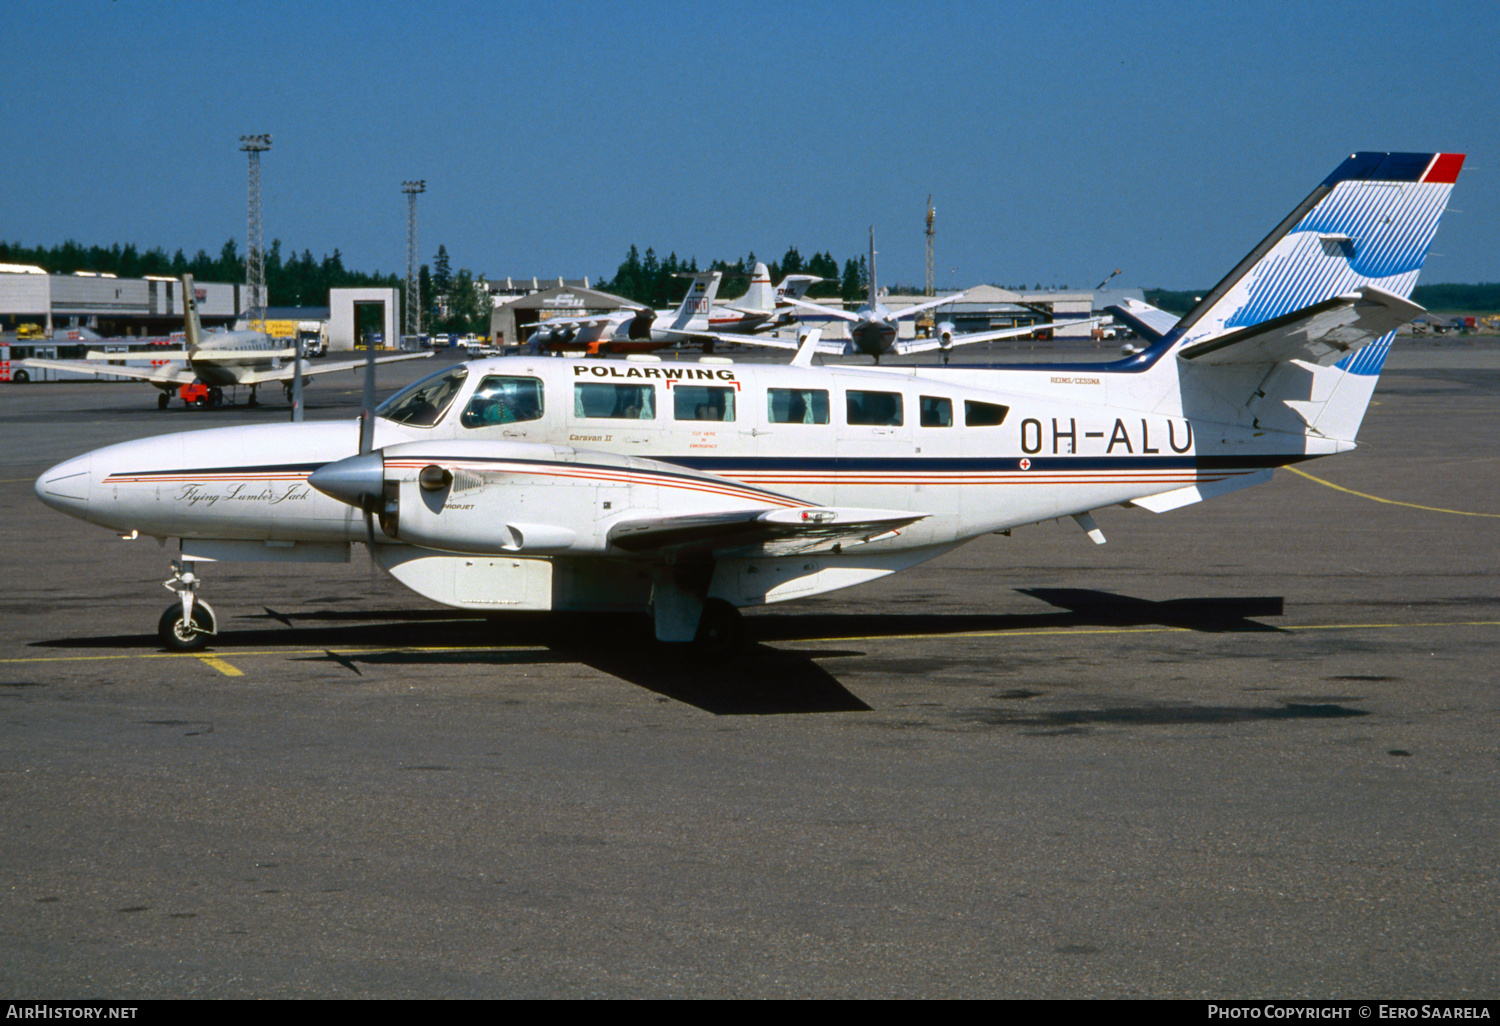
<point>655,282</point>
<point>450,301</point>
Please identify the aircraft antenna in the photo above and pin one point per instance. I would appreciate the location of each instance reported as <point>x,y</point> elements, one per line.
<point>255,250</point>
<point>413,291</point>
<point>931,217</point>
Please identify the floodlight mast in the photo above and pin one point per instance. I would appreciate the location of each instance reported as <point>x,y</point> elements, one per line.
<point>413,291</point>
<point>255,255</point>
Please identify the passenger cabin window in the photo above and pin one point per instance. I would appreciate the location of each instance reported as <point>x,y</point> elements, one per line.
<point>614,402</point>
<point>702,402</point>
<point>936,411</point>
<point>984,414</point>
<point>503,400</point>
<point>423,403</point>
<point>796,406</point>
<point>874,409</point>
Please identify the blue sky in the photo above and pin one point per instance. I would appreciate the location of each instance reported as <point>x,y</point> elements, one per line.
<point>1059,140</point>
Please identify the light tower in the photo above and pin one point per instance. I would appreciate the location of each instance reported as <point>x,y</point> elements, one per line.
<point>255,250</point>
<point>931,216</point>
<point>413,292</point>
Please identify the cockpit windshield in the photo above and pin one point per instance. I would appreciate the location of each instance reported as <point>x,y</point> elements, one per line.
<point>423,403</point>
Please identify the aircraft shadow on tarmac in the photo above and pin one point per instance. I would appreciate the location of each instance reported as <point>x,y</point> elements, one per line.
<point>1078,608</point>
<point>760,681</point>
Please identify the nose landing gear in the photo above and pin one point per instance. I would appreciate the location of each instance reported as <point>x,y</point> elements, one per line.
<point>186,625</point>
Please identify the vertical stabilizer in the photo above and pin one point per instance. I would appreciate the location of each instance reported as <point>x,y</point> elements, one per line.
<point>1334,278</point>
<point>760,298</point>
<point>1368,223</point>
<point>192,328</point>
<point>699,299</point>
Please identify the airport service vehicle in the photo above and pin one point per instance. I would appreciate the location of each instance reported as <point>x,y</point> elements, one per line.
<point>219,360</point>
<point>691,490</point>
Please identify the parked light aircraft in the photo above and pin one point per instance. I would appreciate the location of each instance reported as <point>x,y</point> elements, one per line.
<point>220,360</point>
<point>874,332</point>
<point>633,328</point>
<point>691,490</point>
<point>761,308</point>
<point>637,329</point>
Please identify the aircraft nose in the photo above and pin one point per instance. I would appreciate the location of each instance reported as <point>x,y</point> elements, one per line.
<point>65,487</point>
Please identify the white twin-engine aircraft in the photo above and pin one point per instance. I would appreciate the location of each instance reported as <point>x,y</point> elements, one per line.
<point>691,490</point>
<point>219,360</point>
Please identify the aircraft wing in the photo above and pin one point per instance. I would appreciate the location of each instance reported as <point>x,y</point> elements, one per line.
<point>1323,333</point>
<point>258,377</point>
<point>208,355</point>
<point>165,375</point>
<point>831,347</point>
<point>922,345</point>
<point>767,531</point>
<point>581,330</point>
<point>908,311</point>
<point>831,311</point>
<point>139,354</point>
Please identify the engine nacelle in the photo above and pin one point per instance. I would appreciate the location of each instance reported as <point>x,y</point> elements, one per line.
<point>639,327</point>
<point>523,498</point>
<point>945,331</point>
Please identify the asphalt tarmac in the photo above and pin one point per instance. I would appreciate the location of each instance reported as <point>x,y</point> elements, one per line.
<point>1246,749</point>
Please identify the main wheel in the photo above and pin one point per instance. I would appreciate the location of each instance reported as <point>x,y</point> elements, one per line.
<point>721,629</point>
<point>162,401</point>
<point>177,635</point>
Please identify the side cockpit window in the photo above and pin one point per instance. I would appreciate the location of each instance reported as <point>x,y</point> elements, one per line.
<point>504,400</point>
<point>423,403</point>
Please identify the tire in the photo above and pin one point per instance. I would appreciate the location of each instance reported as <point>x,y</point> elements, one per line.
<point>20,377</point>
<point>163,401</point>
<point>170,629</point>
<point>721,630</point>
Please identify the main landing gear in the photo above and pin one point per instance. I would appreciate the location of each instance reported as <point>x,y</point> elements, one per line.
<point>721,630</point>
<point>187,624</point>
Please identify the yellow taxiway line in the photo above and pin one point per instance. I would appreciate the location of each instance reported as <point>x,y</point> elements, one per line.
<point>218,660</point>
<point>1388,502</point>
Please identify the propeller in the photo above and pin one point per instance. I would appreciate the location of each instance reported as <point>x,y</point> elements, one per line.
<point>358,480</point>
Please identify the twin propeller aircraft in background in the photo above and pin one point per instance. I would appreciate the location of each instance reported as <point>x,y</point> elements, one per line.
<point>217,360</point>
<point>691,490</point>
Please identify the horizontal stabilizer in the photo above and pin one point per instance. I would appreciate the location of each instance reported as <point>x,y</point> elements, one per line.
<point>778,530</point>
<point>1323,333</point>
<point>1179,497</point>
<point>1145,320</point>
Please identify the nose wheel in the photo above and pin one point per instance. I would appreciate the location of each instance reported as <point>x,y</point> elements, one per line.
<point>187,624</point>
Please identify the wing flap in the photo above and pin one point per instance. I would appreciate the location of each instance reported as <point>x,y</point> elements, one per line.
<point>1323,333</point>
<point>769,531</point>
